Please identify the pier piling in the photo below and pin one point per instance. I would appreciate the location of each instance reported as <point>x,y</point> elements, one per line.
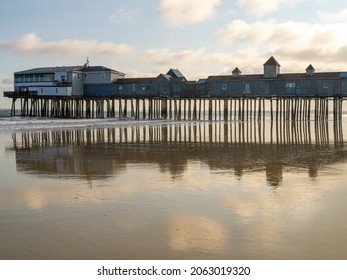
<point>219,108</point>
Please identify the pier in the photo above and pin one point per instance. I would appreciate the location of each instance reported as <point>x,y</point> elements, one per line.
<point>255,108</point>
<point>67,92</point>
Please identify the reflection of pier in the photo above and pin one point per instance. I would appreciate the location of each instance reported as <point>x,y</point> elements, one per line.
<point>237,146</point>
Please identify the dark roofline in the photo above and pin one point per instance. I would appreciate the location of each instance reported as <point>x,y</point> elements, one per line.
<point>50,70</point>
<point>176,73</point>
<point>231,77</point>
<point>272,61</point>
<point>285,76</point>
<point>236,70</point>
<point>134,80</point>
<point>310,67</point>
<point>101,68</point>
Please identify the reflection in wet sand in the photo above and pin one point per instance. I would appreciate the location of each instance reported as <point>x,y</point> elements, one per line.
<point>196,233</point>
<point>200,190</point>
<point>106,152</point>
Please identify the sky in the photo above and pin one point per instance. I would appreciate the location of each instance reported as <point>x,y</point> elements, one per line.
<point>146,38</point>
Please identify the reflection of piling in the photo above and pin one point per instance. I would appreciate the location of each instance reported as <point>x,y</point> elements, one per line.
<point>337,119</point>
<point>269,146</point>
<point>285,132</point>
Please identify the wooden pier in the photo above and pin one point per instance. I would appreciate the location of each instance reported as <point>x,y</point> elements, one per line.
<point>279,108</point>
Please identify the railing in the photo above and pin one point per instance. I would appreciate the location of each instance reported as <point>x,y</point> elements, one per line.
<point>15,94</point>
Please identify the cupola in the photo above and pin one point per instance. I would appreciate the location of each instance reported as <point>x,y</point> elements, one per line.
<point>271,68</point>
<point>310,70</point>
<point>236,72</point>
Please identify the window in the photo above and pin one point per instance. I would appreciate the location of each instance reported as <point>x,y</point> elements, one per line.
<point>224,86</point>
<point>47,78</point>
<point>325,84</point>
<point>102,75</point>
<point>290,88</point>
<point>120,88</point>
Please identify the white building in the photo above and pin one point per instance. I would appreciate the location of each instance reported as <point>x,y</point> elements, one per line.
<point>62,81</point>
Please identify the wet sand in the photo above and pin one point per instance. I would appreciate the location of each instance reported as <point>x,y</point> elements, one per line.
<point>173,191</point>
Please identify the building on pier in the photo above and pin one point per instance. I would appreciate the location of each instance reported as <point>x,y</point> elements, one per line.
<point>173,83</point>
<point>64,81</point>
<point>97,80</point>
<point>101,82</point>
<point>50,81</point>
<point>132,87</point>
<point>273,83</point>
<point>270,83</point>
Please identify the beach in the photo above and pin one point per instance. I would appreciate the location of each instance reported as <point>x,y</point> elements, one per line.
<point>161,189</point>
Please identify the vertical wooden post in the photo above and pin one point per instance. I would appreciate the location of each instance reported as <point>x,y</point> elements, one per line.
<point>194,109</point>
<point>225,109</point>
<point>144,108</point>
<point>210,109</point>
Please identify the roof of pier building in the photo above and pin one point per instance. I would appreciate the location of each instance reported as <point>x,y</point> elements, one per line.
<point>175,73</point>
<point>78,68</point>
<point>49,70</point>
<point>101,68</point>
<point>272,61</point>
<point>310,67</point>
<point>135,80</point>
<point>308,74</point>
<point>285,76</point>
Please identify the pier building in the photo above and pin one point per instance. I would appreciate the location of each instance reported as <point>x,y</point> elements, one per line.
<point>63,81</point>
<point>93,91</point>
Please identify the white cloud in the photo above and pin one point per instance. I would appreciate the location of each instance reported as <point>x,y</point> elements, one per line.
<point>165,56</point>
<point>125,16</point>
<point>194,63</point>
<point>339,16</point>
<point>247,46</point>
<point>262,7</point>
<point>31,43</point>
<point>292,41</point>
<point>181,12</point>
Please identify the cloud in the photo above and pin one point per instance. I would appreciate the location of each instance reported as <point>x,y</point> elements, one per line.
<point>164,56</point>
<point>195,63</point>
<point>7,81</point>
<point>294,44</point>
<point>31,43</point>
<point>182,12</point>
<point>262,7</point>
<point>201,62</point>
<point>125,16</point>
<point>339,16</point>
<point>293,41</point>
